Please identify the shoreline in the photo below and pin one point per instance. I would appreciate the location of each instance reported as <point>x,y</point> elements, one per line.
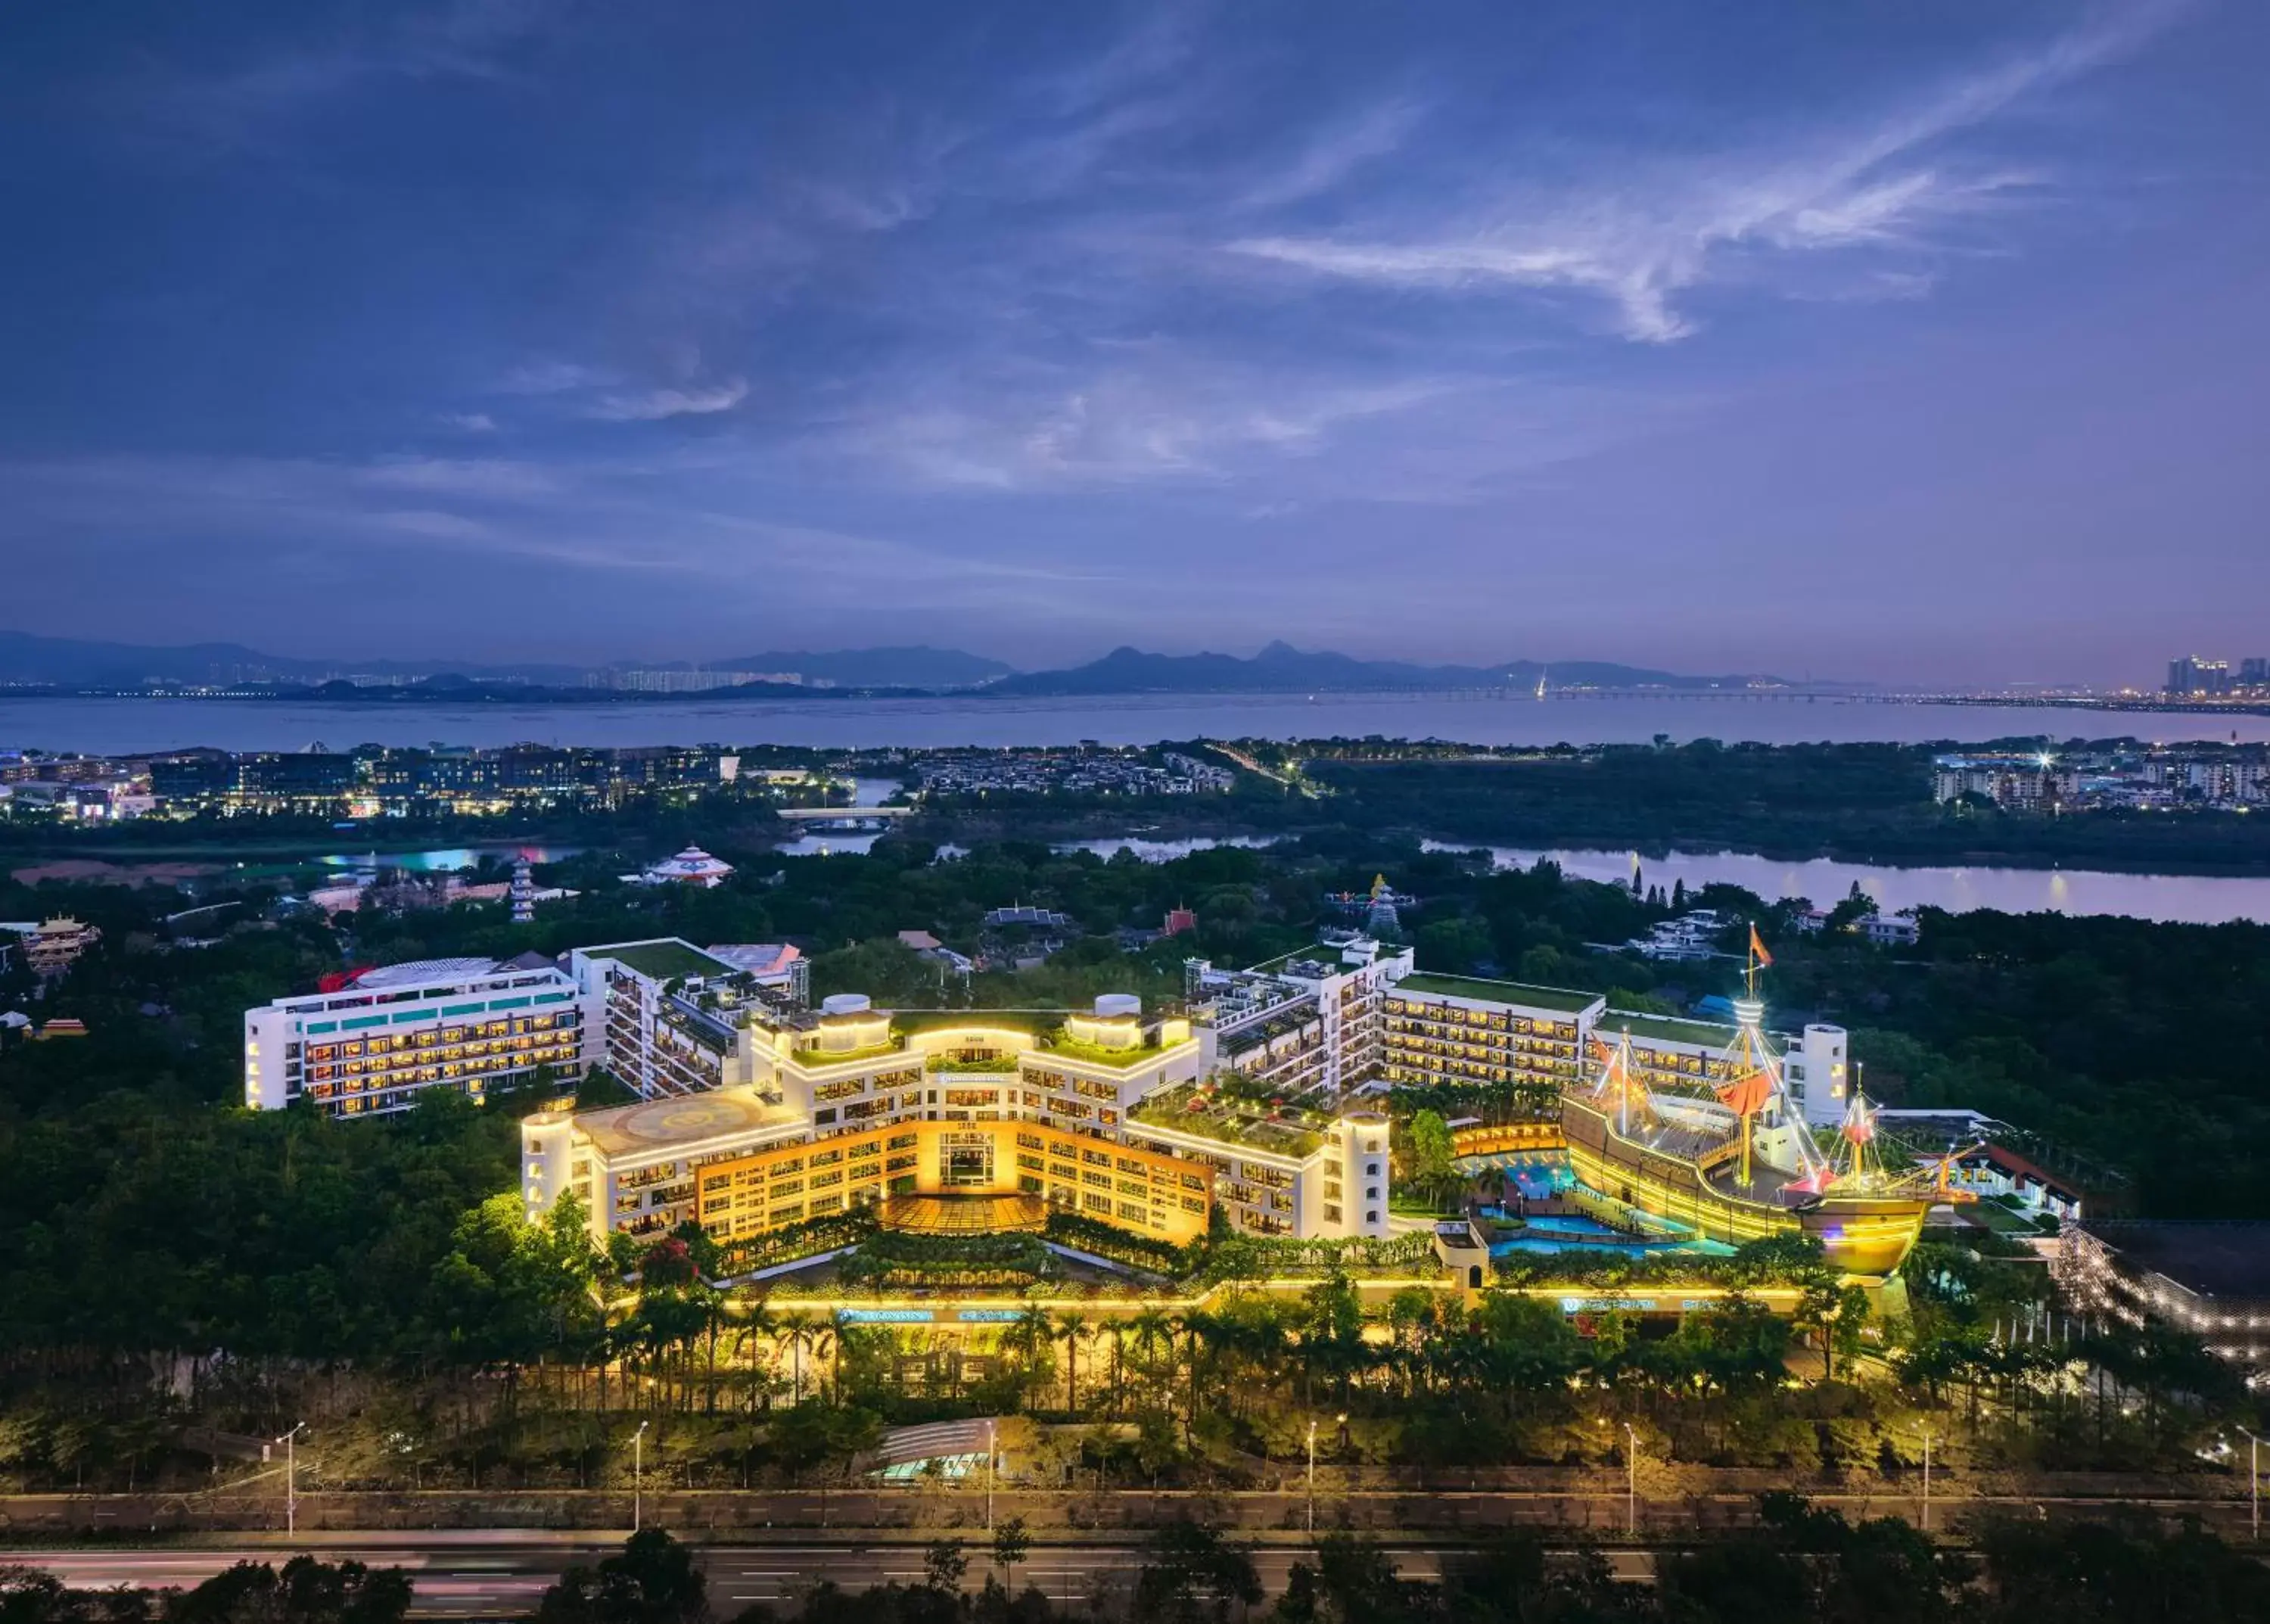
<point>755,693</point>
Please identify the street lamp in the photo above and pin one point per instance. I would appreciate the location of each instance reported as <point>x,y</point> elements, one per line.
<point>2254,1483</point>
<point>1631,1481</point>
<point>1339,1420</point>
<point>292,1479</point>
<point>1926,1480</point>
<point>638,1477</point>
<point>989,1477</point>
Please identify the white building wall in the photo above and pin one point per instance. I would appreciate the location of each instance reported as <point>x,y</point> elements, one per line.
<point>1817,1068</point>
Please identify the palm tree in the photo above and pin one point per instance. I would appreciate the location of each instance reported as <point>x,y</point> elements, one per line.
<point>801,1329</point>
<point>1150,1330</point>
<point>1028,1336</point>
<point>1071,1325</point>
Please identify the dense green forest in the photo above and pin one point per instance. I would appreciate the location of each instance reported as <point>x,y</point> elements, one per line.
<point>1861,802</point>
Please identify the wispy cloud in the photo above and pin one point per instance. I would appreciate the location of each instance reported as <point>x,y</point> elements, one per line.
<point>654,404</point>
<point>235,105</point>
<point>1643,239</point>
<point>550,377</point>
<point>1336,153</point>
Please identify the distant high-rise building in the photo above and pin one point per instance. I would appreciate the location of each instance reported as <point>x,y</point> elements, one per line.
<point>2254,673</point>
<point>2192,677</point>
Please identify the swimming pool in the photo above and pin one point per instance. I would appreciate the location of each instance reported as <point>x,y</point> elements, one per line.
<point>1549,1234</point>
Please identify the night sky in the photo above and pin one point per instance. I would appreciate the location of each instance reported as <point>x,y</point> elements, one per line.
<point>1886,341</point>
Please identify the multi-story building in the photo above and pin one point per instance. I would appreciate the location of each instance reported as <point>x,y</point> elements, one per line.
<point>1462,1030</point>
<point>2192,677</point>
<point>1305,1022</point>
<point>387,1035</point>
<point>1400,1027</point>
<point>739,1164</point>
<point>861,1100</point>
<point>1277,1169</point>
<point>373,783</point>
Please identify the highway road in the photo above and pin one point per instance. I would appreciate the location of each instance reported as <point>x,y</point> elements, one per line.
<point>477,1574</point>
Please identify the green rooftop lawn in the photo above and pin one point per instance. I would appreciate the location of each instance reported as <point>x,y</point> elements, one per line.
<point>1226,1123</point>
<point>1095,1054</point>
<point>1473,987</point>
<point>1663,1029</point>
<point>664,960</point>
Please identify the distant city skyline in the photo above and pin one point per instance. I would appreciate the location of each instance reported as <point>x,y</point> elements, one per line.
<point>1913,346</point>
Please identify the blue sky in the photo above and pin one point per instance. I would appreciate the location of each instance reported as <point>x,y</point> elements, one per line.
<point>1872,340</point>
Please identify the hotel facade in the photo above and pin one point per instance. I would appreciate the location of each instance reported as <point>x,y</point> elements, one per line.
<point>377,1043</point>
<point>754,1110</point>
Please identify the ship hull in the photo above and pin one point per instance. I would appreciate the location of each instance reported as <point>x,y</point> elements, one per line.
<point>1861,1234</point>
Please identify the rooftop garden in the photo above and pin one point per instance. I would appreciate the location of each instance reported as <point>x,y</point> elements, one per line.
<point>1279,1130</point>
<point>1097,1054</point>
<point>1664,1029</point>
<point>663,960</point>
<point>1565,999</point>
<point>809,1053</point>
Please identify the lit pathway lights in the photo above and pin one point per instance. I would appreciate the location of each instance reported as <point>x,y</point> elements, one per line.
<point>638,1477</point>
<point>1339,1420</point>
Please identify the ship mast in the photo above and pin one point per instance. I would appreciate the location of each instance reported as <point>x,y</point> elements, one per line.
<point>1757,1080</point>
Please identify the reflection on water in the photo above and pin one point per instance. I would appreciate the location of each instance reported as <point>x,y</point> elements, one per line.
<point>830,845</point>
<point>444,860</point>
<point>2185,898</point>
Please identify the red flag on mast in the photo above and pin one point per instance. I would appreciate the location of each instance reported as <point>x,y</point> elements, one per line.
<point>1758,950</point>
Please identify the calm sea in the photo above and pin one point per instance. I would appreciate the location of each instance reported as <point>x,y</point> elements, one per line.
<point>127,725</point>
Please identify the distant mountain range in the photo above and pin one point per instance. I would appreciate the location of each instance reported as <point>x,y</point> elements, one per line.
<point>71,664</point>
<point>1281,668</point>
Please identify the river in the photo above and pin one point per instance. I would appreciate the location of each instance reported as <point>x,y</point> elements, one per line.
<point>2182,898</point>
<point>125,726</point>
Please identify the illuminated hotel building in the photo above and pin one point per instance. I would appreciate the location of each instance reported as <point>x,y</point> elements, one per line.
<point>740,1164</point>
<point>1353,1011</point>
<point>1457,1029</point>
<point>1094,1113</point>
<point>373,1045</point>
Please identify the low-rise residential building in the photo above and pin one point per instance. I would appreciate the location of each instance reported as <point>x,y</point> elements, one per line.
<point>1996,1171</point>
<point>1085,769</point>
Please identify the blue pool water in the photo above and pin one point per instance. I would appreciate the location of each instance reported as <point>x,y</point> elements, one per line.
<point>1549,1234</point>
